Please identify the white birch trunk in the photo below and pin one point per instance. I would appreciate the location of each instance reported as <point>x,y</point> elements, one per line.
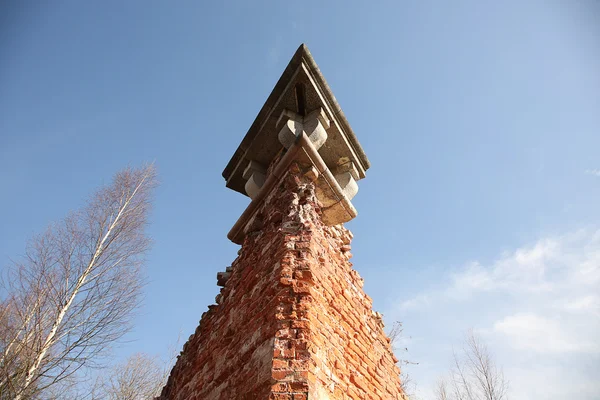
<point>85,277</point>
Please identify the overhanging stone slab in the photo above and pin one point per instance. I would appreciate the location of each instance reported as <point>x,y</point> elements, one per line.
<point>301,89</point>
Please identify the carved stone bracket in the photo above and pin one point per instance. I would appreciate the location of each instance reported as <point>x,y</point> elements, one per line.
<point>315,125</point>
<point>347,175</point>
<point>255,175</point>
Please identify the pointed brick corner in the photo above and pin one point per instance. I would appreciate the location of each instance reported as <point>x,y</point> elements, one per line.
<point>292,321</point>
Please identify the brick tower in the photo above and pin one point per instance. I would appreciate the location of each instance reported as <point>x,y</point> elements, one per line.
<point>291,321</point>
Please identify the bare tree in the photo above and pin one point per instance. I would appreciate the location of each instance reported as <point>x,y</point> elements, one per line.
<point>74,292</point>
<point>474,376</point>
<point>396,336</point>
<point>140,377</point>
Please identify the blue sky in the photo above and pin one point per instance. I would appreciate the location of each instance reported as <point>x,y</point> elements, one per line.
<point>481,121</point>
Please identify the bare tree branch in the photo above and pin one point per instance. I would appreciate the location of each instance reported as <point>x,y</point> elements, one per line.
<point>474,376</point>
<point>74,292</point>
<point>141,377</point>
<point>396,335</point>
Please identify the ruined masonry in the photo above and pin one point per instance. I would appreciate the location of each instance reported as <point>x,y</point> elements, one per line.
<point>291,321</point>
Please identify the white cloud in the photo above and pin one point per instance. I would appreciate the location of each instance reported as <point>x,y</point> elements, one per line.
<point>415,303</point>
<point>590,303</point>
<point>561,266</point>
<point>524,270</point>
<point>537,304</point>
<point>555,380</point>
<point>595,172</point>
<point>528,331</point>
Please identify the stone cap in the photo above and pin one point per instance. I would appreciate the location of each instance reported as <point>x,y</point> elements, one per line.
<point>300,93</point>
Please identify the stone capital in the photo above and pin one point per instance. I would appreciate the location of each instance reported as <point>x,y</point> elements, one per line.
<point>301,120</point>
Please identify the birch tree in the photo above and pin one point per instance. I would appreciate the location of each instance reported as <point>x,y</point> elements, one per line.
<point>74,292</point>
<point>474,375</point>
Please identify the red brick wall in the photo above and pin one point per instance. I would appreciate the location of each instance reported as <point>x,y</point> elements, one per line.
<point>292,321</point>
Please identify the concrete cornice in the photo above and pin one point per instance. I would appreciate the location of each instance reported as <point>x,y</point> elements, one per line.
<point>260,144</point>
<point>340,116</point>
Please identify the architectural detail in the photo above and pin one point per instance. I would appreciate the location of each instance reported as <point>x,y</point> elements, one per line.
<point>291,321</point>
<point>346,175</point>
<point>315,126</point>
<point>255,178</point>
<point>302,102</point>
<point>292,128</point>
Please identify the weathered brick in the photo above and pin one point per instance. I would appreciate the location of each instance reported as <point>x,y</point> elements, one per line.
<point>280,364</point>
<point>284,311</point>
